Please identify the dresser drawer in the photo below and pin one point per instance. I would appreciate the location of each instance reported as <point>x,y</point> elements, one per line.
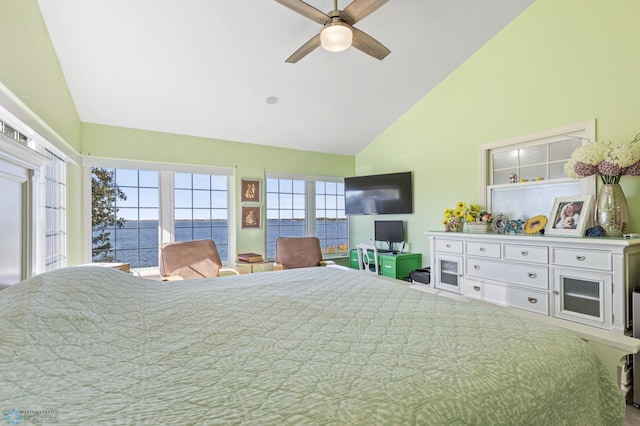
<point>528,300</point>
<point>528,275</point>
<point>533,254</point>
<point>449,246</point>
<point>590,259</point>
<point>521,298</point>
<point>493,293</point>
<point>479,248</point>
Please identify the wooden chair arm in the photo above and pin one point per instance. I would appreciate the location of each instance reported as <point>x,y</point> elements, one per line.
<point>172,278</point>
<point>228,271</point>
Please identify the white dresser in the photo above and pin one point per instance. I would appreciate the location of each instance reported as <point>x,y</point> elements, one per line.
<point>584,280</point>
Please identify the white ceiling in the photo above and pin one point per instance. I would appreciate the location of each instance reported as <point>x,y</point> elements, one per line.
<point>206,67</point>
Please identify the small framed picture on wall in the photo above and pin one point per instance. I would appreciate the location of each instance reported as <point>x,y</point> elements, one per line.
<point>250,190</point>
<point>251,217</point>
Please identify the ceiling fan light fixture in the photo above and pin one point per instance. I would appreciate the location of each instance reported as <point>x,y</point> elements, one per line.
<point>336,36</point>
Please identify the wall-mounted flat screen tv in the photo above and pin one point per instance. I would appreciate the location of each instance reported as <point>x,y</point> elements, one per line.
<point>390,193</point>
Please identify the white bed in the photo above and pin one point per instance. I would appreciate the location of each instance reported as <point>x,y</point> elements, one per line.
<point>308,346</point>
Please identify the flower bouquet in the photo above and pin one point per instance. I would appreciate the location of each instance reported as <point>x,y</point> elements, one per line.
<point>453,218</point>
<point>469,214</point>
<point>610,160</point>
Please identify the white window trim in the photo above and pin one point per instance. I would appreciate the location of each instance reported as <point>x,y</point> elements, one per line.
<point>165,197</point>
<point>584,129</point>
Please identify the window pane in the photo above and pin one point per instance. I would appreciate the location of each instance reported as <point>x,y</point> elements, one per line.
<point>532,173</point>
<point>148,197</point>
<point>182,181</point>
<point>183,198</point>
<point>502,176</point>
<point>556,171</point>
<point>125,177</point>
<point>286,185</point>
<point>299,201</point>
<point>533,155</point>
<point>219,199</point>
<point>201,199</point>
<point>502,160</point>
<point>132,197</point>
<point>149,217</point>
<point>202,182</point>
<point>148,179</point>
<point>219,183</point>
<point>562,150</point>
<point>299,186</point>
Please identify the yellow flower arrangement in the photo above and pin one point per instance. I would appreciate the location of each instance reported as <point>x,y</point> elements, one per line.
<point>453,218</point>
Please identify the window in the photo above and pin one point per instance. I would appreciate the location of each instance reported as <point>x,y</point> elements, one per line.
<point>331,220</point>
<point>125,219</point>
<point>33,184</point>
<point>306,206</point>
<point>134,211</point>
<point>201,209</point>
<point>523,175</point>
<point>544,160</point>
<point>55,208</point>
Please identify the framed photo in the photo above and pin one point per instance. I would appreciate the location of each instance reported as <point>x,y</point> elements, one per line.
<point>251,217</point>
<point>251,190</point>
<point>570,215</point>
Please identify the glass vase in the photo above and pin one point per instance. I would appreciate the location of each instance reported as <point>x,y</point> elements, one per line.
<point>612,212</point>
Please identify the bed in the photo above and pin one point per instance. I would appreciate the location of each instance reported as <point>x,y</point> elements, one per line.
<point>90,345</point>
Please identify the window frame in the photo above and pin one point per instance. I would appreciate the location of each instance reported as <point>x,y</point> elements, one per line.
<point>310,205</point>
<point>585,130</point>
<point>30,150</point>
<point>166,198</point>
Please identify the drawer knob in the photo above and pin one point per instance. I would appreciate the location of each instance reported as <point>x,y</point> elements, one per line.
<point>524,253</point>
<point>532,300</point>
<point>532,274</point>
<point>448,245</point>
<point>476,267</point>
<point>482,249</point>
<point>476,288</point>
<point>580,258</point>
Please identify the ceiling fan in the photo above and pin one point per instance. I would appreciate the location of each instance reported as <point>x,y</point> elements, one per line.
<point>338,32</point>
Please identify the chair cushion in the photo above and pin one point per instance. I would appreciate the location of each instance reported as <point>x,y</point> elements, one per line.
<point>190,259</point>
<point>302,252</point>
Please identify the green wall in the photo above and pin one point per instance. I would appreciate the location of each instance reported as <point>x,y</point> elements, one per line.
<point>559,62</point>
<point>30,68</point>
<point>250,161</point>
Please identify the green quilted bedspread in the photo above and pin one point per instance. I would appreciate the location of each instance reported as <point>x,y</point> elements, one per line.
<point>320,346</point>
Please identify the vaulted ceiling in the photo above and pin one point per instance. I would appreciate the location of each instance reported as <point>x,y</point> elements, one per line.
<point>216,68</point>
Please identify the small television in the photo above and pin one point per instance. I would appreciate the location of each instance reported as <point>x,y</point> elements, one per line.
<point>389,231</point>
<point>390,193</point>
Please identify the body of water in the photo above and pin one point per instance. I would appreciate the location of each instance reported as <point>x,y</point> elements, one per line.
<point>137,242</point>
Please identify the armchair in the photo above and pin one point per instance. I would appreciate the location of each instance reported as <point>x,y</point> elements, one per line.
<point>190,260</point>
<point>299,252</point>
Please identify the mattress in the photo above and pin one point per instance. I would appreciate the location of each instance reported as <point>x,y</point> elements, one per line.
<point>91,345</point>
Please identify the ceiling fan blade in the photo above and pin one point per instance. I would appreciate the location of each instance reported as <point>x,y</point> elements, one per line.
<point>306,10</point>
<point>369,45</point>
<point>304,50</point>
<point>360,9</point>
